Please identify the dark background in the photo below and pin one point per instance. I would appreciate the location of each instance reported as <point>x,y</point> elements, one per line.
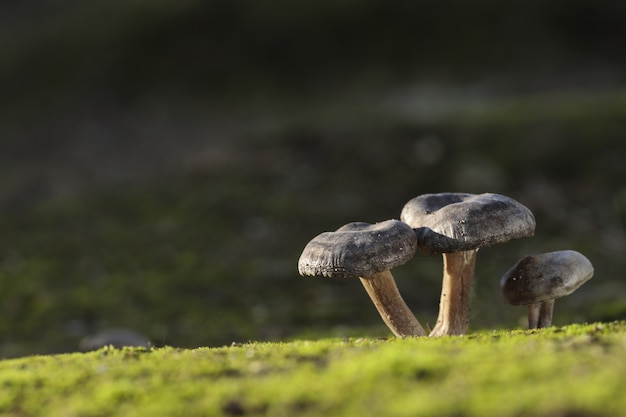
<point>163,163</point>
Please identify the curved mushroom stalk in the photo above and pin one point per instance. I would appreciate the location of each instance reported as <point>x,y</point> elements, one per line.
<point>540,314</point>
<point>454,305</point>
<point>382,289</point>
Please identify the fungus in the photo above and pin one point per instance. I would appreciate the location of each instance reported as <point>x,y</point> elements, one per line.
<point>116,337</point>
<point>538,280</point>
<point>456,225</point>
<point>369,252</point>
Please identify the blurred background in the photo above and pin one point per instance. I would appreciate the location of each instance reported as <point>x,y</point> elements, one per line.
<point>164,163</point>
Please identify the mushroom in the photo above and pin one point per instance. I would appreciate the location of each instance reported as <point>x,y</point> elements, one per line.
<point>369,252</point>
<point>457,225</point>
<point>116,337</point>
<point>538,280</point>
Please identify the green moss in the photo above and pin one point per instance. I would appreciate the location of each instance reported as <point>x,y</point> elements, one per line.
<point>575,370</point>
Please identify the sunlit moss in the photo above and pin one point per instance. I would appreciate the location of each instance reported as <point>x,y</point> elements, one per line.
<point>557,371</point>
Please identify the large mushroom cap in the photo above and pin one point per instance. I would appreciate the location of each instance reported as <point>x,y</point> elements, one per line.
<point>358,250</point>
<point>546,276</point>
<point>455,222</point>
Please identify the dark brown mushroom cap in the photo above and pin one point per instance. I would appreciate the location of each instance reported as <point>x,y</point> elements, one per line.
<point>358,250</point>
<point>455,222</point>
<point>546,276</point>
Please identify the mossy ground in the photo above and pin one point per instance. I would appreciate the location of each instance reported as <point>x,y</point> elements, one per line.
<point>577,370</point>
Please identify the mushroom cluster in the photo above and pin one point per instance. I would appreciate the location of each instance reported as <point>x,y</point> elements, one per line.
<point>454,225</point>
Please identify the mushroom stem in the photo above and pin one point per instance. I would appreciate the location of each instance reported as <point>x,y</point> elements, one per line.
<point>382,289</point>
<point>534,311</point>
<point>540,314</point>
<point>454,305</point>
<point>545,314</point>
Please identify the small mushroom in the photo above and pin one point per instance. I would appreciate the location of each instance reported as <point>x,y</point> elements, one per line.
<point>538,280</point>
<point>457,225</point>
<point>116,337</point>
<point>369,252</point>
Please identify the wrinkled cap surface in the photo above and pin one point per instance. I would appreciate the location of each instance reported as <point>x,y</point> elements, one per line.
<point>358,250</point>
<point>454,222</point>
<point>546,276</point>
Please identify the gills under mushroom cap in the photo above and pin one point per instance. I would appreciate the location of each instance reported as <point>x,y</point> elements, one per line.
<point>455,222</point>
<point>547,276</point>
<point>358,250</point>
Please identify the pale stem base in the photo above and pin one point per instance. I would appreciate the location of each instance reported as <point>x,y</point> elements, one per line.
<point>382,289</point>
<point>456,290</point>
